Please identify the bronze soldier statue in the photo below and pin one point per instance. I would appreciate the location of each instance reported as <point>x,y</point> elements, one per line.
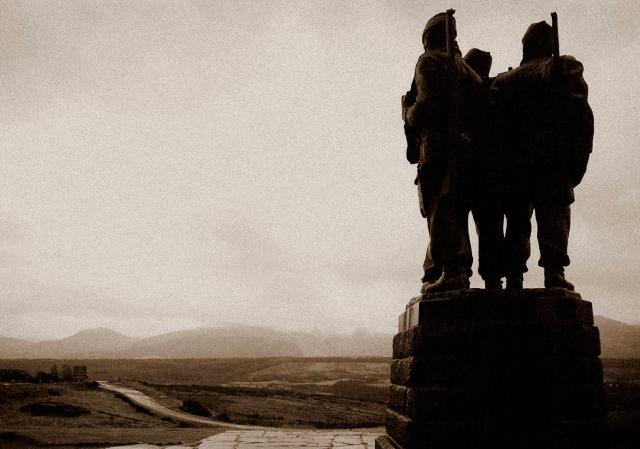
<point>432,272</point>
<point>441,116</point>
<point>546,133</point>
<point>486,205</point>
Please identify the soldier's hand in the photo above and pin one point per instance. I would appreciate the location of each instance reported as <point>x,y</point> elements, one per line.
<point>403,103</point>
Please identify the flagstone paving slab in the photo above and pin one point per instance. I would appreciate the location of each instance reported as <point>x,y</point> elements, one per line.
<point>280,439</point>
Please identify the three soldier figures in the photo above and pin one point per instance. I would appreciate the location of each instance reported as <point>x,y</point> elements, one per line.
<point>500,148</point>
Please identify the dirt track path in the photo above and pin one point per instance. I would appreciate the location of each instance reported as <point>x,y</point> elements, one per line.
<point>154,407</point>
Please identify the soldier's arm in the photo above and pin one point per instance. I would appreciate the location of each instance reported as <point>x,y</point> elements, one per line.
<point>576,117</point>
<point>429,84</point>
<point>411,134</point>
<point>409,99</point>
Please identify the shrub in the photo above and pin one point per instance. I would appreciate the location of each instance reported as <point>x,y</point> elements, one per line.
<point>195,408</point>
<point>46,409</point>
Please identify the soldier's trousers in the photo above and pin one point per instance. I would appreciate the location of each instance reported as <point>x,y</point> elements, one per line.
<point>489,219</point>
<point>449,246</point>
<point>517,237</point>
<point>431,271</point>
<point>554,222</point>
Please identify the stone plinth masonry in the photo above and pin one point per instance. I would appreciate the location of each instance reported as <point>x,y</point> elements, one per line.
<point>507,369</point>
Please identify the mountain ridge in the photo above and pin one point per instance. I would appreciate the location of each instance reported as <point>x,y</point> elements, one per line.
<point>618,340</point>
<point>201,342</point>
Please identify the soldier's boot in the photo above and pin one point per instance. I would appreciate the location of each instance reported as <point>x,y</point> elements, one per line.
<point>494,284</point>
<point>554,278</point>
<point>515,282</point>
<point>447,282</point>
<point>431,275</point>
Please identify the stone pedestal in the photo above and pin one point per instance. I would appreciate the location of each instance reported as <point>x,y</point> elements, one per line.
<point>510,369</point>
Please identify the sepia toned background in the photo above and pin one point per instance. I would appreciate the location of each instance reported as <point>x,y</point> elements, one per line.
<point>170,164</point>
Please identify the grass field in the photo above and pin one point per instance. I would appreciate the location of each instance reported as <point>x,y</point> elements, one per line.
<point>279,407</point>
<point>221,371</point>
<point>109,420</point>
<point>289,392</point>
<point>284,392</point>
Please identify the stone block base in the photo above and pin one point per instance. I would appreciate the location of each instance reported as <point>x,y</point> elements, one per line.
<point>513,369</point>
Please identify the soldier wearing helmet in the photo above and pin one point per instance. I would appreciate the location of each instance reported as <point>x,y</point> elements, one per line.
<point>546,130</point>
<point>486,194</point>
<point>443,169</point>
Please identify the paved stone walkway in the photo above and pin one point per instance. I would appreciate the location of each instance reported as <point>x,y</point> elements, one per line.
<point>237,439</point>
<point>280,439</point>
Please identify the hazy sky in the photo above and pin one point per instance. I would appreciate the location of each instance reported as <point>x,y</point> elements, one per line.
<point>167,165</point>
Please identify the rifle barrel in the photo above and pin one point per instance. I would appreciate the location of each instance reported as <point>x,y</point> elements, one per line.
<point>449,33</point>
<point>454,84</point>
<point>554,37</point>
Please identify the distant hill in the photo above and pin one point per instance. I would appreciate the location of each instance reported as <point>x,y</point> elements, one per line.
<point>231,341</point>
<point>11,348</point>
<point>91,343</point>
<point>619,340</point>
<point>357,344</point>
<point>216,342</point>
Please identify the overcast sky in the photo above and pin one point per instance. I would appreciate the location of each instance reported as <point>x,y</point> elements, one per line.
<point>168,165</point>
